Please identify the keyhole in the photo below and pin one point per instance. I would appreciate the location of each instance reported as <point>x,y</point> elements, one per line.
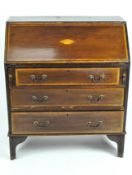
<point>68,116</point>
<point>67,90</point>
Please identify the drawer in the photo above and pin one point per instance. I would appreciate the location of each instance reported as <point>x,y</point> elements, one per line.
<point>67,122</point>
<point>67,76</point>
<point>67,98</point>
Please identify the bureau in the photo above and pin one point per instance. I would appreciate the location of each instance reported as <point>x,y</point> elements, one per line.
<point>66,76</point>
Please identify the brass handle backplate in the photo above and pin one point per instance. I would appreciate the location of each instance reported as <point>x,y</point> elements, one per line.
<point>40,99</point>
<point>94,124</point>
<point>96,78</point>
<point>38,78</point>
<point>43,124</point>
<point>95,98</point>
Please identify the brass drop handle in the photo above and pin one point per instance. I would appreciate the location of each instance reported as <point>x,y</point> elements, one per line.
<point>95,98</point>
<point>97,124</point>
<point>38,78</point>
<point>96,78</point>
<point>40,99</point>
<point>43,124</point>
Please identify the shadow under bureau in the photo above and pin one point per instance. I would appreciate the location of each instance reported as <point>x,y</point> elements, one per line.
<point>66,76</point>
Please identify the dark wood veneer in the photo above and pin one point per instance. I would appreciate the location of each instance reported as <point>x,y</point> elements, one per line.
<point>67,76</point>
<point>40,42</point>
<point>66,122</point>
<point>68,98</point>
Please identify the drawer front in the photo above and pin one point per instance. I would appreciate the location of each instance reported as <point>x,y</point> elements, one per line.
<point>67,98</point>
<point>67,122</point>
<point>67,76</point>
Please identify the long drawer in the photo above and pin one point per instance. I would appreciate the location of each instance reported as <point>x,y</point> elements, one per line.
<point>67,122</point>
<point>67,98</point>
<point>67,76</point>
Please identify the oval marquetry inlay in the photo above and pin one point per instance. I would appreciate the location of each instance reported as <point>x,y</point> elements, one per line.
<point>67,41</point>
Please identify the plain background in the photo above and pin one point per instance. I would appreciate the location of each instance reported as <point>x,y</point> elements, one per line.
<point>63,155</point>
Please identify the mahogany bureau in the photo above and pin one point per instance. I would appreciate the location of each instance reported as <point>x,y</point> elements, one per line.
<point>66,76</point>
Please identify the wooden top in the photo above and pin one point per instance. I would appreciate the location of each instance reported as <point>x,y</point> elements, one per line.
<point>65,41</point>
<point>64,18</point>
